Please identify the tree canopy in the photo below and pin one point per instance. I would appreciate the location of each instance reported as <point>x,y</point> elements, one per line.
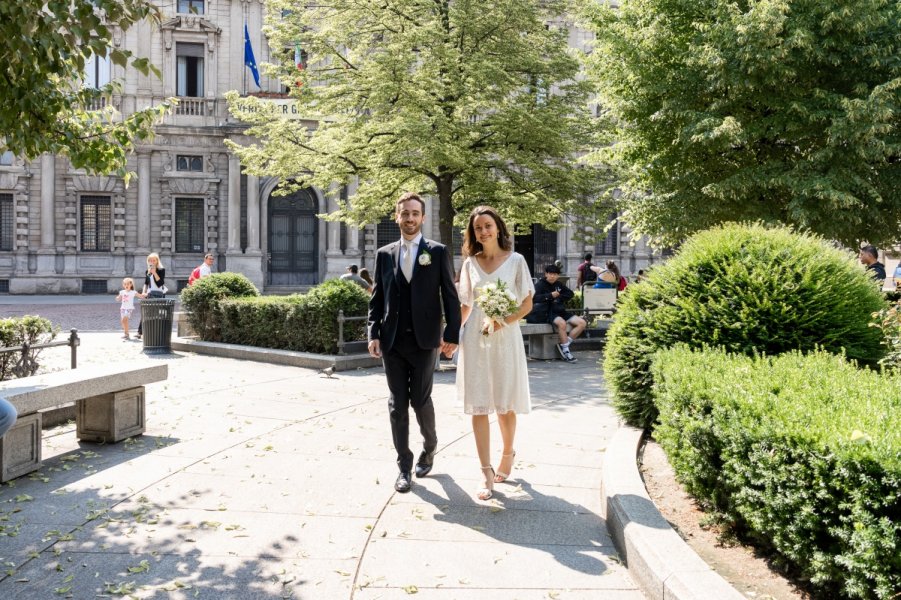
<point>43,108</point>
<point>763,110</point>
<point>471,102</point>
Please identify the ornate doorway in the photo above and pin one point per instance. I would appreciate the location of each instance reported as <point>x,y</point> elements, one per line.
<point>538,247</point>
<point>293,239</point>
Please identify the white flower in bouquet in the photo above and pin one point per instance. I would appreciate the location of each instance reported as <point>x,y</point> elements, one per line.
<point>497,302</point>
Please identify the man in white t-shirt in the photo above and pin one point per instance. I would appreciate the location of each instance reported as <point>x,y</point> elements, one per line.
<point>205,268</point>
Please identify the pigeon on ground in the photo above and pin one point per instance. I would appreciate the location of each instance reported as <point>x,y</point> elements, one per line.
<point>328,371</point>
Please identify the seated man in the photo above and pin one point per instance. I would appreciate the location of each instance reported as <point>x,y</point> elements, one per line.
<point>549,306</point>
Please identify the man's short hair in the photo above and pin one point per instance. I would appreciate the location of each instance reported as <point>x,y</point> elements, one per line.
<point>871,250</point>
<point>206,256</point>
<point>552,269</point>
<point>406,197</point>
<point>353,269</point>
<point>587,256</point>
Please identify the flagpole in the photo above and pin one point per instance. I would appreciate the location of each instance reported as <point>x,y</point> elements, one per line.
<point>244,70</point>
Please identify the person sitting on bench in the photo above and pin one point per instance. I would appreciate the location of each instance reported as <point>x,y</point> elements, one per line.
<point>549,306</point>
<point>609,277</point>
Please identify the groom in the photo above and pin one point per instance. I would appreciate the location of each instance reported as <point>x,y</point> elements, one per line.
<point>414,282</point>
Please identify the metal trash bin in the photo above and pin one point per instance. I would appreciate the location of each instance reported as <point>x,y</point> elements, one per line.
<point>156,315</point>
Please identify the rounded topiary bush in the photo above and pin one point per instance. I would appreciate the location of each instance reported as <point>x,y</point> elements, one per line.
<point>201,300</point>
<point>747,289</point>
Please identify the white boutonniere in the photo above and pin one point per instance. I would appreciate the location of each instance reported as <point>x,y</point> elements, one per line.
<point>425,259</point>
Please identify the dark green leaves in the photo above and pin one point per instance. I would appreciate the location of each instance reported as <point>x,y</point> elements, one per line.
<point>42,62</point>
<point>782,111</point>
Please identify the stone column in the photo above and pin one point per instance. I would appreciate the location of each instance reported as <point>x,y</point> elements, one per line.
<point>143,238</point>
<point>333,228</point>
<point>46,254</point>
<point>234,205</point>
<point>48,199</point>
<point>253,214</point>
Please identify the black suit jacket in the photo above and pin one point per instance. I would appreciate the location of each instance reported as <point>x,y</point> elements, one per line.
<point>431,289</point>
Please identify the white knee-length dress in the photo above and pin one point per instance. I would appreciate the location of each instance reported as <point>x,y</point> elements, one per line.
<point>492,375</point>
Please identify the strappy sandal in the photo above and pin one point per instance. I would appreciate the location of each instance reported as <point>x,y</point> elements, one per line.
<point>501,477</point>
<point>485,492</point>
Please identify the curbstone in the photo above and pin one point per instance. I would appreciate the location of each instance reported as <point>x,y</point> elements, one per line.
<point>660,562</point>
<point>292,358</point>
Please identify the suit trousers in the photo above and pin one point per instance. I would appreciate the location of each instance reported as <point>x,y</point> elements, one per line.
<point>410,370</point>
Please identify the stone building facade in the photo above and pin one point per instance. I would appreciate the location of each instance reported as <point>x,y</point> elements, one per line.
<point>65,232</point>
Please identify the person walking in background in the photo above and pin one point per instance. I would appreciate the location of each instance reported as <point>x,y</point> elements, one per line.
<point>549,306</point>
<point>202,270</point>
<point>414,284</point>
<point>126,298</point>
<point>365,276</point>
<point>869,257</point>
<point>492,376</point>
<point>154,283</point>
<point>352,275</point>
<point>586,274</point>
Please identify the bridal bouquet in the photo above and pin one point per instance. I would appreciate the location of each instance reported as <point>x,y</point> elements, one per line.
<point>496,301</point>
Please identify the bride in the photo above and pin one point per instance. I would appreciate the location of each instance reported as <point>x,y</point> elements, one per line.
<point>492,376</point>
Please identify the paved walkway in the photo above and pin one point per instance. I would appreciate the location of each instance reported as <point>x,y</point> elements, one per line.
<point>265,481</point>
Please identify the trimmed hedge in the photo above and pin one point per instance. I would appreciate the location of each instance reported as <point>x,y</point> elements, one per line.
<point>802,452</point>
<point>16,331</point>
<point>202,301</point>
<point>888,320</point>
<point>745,288</point>
<point>306,323</point>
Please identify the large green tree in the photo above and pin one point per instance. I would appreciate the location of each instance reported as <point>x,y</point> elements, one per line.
<point>43,108</point>
<point>472,102</point>
<point>772,110</point>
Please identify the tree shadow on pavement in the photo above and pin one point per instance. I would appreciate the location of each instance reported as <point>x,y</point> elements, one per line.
<point>521,515</point>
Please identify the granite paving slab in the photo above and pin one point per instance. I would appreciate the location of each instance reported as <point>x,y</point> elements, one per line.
<point>268,481</point>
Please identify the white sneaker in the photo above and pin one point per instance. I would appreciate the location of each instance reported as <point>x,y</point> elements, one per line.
<point>567,355</point>
<point>561,350</point>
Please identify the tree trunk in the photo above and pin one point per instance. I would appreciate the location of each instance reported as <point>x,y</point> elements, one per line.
<point>446,211</point>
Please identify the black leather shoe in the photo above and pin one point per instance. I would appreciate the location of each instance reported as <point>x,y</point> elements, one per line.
<point>404,482</point>
<point>424,464</point>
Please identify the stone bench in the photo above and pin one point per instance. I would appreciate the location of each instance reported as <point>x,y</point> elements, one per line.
<point>109,402</point>
<point>542,338</point>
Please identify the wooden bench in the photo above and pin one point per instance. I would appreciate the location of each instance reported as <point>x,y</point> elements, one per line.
<point>109,403</point>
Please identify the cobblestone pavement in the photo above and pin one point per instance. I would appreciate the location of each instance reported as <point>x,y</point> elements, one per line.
<point>84,313</point>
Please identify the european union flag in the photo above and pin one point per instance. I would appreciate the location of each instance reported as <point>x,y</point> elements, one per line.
<point>249,60</point>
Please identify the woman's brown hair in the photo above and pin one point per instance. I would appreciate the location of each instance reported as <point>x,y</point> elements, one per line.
<point>611,266</point>
<point>471,246</point>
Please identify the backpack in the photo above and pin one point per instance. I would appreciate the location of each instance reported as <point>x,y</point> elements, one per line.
<point>195,275</point>
<point>622,284</point>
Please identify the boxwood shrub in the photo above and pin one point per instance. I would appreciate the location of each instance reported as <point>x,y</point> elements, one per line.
<point>202,299</point>
<point>16,331</point>
<point>745,288</point>
<point>803,453</point>
<point>306,323</point>
<point>888,320</point>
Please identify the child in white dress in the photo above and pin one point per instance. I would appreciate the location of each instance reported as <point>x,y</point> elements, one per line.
<point>126,298</point>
